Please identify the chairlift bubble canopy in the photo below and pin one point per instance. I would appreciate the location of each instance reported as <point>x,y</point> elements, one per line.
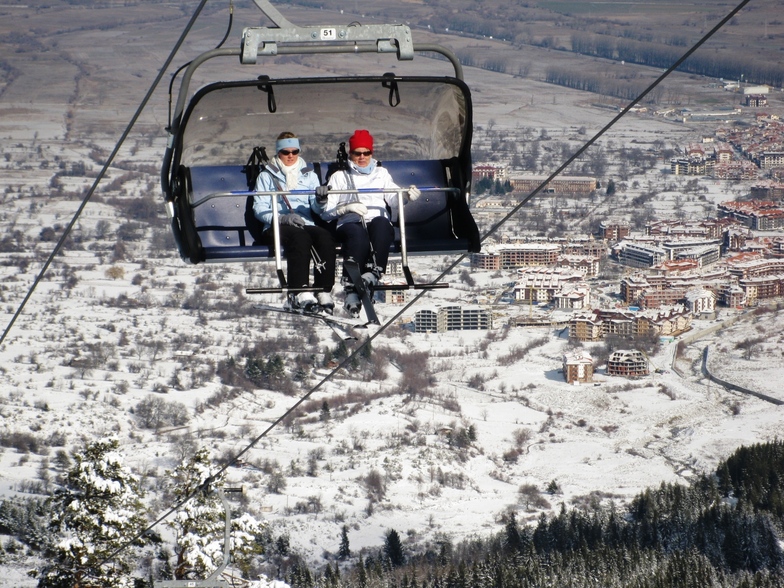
<point>416,118</point>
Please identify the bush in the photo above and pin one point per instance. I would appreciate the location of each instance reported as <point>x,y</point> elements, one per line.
<point>115,272</point>
<point>154,412</point>
<point>22,441</point>
<point>375,485</point>
<point>531,497</point>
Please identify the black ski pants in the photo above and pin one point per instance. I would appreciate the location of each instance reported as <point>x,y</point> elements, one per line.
<point>356,242</point>
<point>297,244</point>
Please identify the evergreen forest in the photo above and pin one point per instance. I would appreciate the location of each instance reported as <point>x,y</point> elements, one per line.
<point>724,530</point>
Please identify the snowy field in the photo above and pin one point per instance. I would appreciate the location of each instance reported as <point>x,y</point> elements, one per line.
<point>601,442</point>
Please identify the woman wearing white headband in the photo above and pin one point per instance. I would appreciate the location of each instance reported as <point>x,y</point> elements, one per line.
<point>300,237</point>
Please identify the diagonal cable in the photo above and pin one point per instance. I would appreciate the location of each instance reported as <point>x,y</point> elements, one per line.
<point>104,169</point>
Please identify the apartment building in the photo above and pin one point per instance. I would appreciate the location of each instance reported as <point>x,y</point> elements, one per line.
<point>657,298</point>
<point>540,285</point>
<point>736,170</point>
<point>752,268</point>
<point>691,166</point>
<point>596,248</point>
<point>596,324</point>
<point>770,159</point>
<point>559,185</point>
<point>627,363</point>
<point>707,229</point>
<point>636,254</point>
<point>577,368</point>
<point>452,318</point>
<point>587,265</point>
<point>513,255</point>
<point>614,231</point>
<point>572,297</point>
<point>666,289</point>
<point>700,301</point>
<point>768,191</point>
<point>704,254</point>
<point>756,100</point>
<point>494,172</point>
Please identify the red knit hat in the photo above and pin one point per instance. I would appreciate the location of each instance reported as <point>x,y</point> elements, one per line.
<point>360,138</point>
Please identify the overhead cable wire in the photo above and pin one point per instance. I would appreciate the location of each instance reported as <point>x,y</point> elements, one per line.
<point>104,169</point>
<point>359,349</point>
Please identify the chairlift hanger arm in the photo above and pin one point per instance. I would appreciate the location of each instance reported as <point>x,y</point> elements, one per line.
<point>265,40</point>
<point>381,38</point>
<point>289,39</point>
<point>273,14</point>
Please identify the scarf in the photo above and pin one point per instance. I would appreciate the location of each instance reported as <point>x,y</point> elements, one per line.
<point>291,172</point>
<point>367,170</point>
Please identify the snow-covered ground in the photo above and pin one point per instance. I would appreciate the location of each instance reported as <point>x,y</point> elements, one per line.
<point>613,439</point>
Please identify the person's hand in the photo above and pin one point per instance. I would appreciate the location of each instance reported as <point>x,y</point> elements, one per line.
<point>355,207</point>
<point>293,220</point>
<point>413,193</point>
<point>322,193</point>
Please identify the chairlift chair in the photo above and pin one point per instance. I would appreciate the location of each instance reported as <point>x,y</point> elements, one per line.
<point>422,127</point>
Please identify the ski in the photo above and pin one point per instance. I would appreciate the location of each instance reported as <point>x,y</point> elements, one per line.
<point>352,269</point>
<point>329,320</point>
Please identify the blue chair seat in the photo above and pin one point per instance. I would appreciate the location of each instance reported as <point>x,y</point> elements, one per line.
<point>225,226</point>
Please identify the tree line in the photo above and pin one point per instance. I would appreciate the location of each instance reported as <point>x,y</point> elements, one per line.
<point>724,530</point>
<point>600,84</point>
<point>711,64</point>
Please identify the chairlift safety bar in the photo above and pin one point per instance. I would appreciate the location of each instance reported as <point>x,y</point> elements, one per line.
<point>410,284</point>
<point>213,195</point>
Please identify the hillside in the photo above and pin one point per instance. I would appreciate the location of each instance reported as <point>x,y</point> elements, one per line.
<point>119,322</point>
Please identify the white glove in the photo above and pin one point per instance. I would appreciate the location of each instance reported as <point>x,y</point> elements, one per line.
<point>413,193</point>
<point>292,219</point>
<point>355,207</point>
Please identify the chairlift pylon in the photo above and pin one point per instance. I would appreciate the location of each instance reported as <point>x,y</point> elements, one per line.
<point>214,580</point>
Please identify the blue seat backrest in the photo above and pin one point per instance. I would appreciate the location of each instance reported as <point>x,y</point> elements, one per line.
<point>222,223</point>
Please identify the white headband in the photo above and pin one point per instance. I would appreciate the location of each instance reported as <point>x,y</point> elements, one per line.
<point>290,143</point>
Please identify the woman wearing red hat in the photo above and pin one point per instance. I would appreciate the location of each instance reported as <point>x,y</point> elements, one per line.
<point>363,173</point>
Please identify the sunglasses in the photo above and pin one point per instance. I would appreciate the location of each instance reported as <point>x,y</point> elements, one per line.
<point>289,151</point>
<point>361,153</point>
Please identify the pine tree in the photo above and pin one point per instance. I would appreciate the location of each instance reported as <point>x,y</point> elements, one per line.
<point>512,541</point>
<point>344,551</point>
<point>362,579</point>
<point>393,549</point>
<point>329,577</point>
<point>98,512</point>
<point>199,526</point>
